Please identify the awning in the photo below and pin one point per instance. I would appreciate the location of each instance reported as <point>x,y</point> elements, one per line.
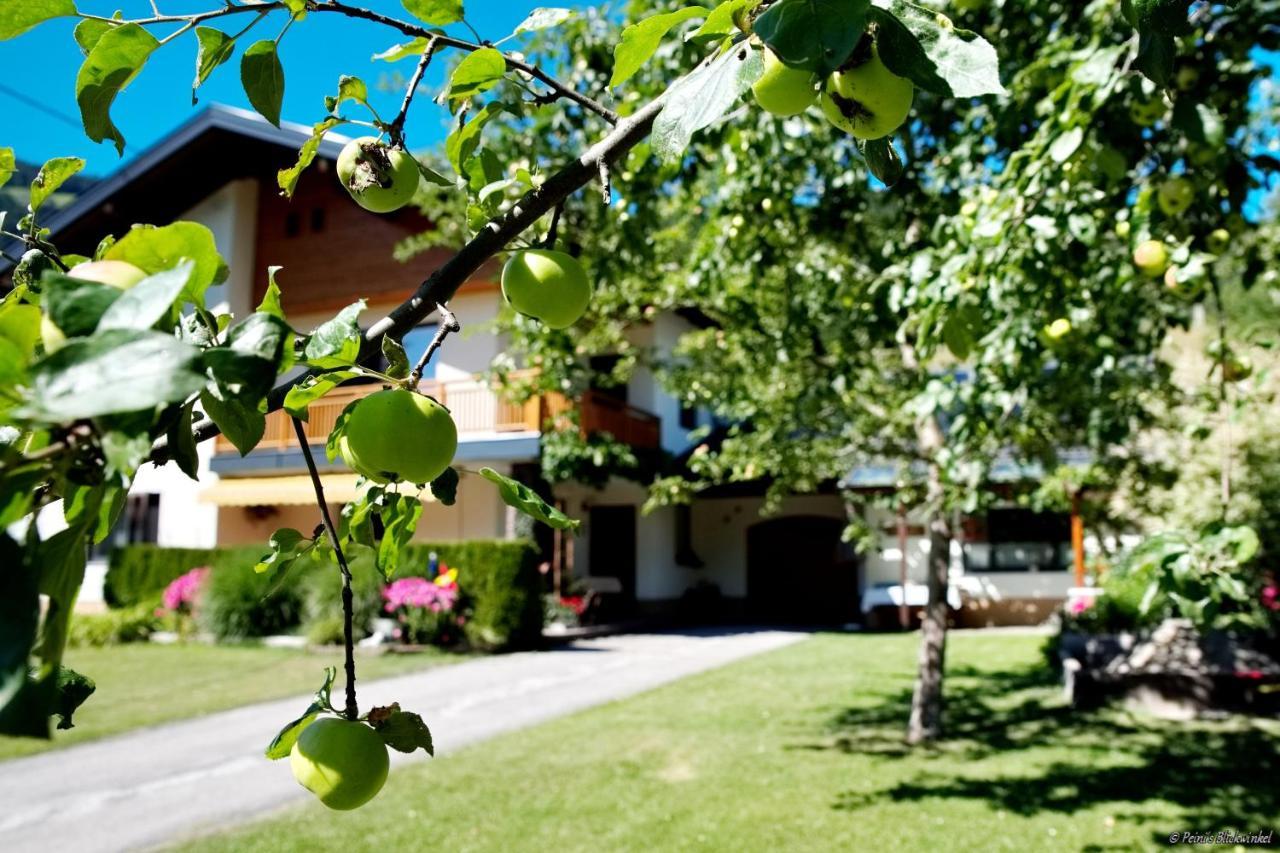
<point>271,491</point>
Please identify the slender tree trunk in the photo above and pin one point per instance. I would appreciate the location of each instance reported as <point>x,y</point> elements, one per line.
<point>925,723</point>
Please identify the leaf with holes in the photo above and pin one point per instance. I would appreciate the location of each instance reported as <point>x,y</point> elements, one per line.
<point>214,48</point>
<point>52,175</point>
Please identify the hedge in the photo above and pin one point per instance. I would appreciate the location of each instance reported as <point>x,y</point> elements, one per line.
<point>498,577</point>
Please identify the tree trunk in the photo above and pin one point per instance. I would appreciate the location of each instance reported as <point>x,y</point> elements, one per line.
<point>926,702</point>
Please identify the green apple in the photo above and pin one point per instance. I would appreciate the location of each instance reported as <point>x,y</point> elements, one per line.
<point>1058,329</point>
<point>1237,368</point>
<point>380,178</point>
<point>547,285</point>
<point>782,90</point>
<point>1152,257</point>
<point>399,435</point>
<point>1175,196</point>
<point>1218,241</point>
<point>343,762</point>
<point>1124,229</point>
<point>868,101</point>
<point>1148,112</point>
<point>115,273</point>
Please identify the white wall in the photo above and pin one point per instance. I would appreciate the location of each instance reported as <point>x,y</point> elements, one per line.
<point>646,392</point>
<point>231,214</point>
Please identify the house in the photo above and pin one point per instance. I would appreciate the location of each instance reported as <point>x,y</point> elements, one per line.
<point>717,557</point>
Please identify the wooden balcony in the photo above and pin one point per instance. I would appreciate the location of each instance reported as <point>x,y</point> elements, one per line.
<point>477,409</point>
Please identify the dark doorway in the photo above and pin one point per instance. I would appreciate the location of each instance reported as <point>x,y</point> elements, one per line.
<point>612,551</point>
<point>796,575</point>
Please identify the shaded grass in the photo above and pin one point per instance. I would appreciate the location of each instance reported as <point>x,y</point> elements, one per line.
<point>142,684</point>
<point>801,749</point>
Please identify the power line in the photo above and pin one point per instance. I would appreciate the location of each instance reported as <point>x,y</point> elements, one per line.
<point>37,105</point>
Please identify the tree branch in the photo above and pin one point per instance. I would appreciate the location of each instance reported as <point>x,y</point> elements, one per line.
<point>397,125</point>
<point>448,323</point>
<point>348,605</point>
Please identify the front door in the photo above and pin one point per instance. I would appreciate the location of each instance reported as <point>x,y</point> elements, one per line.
<point>612,551</point>
<point>795,574</point>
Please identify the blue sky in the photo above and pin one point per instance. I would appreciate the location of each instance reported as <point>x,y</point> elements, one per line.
<point>43,121</point>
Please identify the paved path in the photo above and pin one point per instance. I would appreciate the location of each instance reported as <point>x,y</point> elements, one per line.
<point>145,788</point>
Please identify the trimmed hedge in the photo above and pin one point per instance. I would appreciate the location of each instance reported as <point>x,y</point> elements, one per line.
<point>499,578</point>
<point>138,573</point>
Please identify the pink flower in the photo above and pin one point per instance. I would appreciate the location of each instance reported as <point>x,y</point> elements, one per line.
<point>1271,597</point>
<point>419,592</point>
<point>1080,605</point>
<point>183,591</point>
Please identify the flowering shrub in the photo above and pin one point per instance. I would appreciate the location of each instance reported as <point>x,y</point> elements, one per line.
<point>181,596</point>
<point>564,610</point>
<point>426,610</point>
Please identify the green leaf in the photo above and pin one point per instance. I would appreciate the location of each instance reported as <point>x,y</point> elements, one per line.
<point>882,159</point>
<point>297,8</point>
<point>74,306</point>
<point>18,16</point>
<point>543,18</point>
<point>88,32</point>
<point>1156,55</point>
<point>288,178</point>
<point>942,59</point>
<point>435,12</point>
<point>431,175</point>
<point>520,497</point>
<point>477,72</point>
<point>270,303</point>
<point>8,165</point>
<point>640,41</point>
<point>703,97</point>
<point>182,443</point>
<point>313,388</point>
<point>1066,144</point>
<point>20,325</point>
<point>70,692</point>
<point>1165,17</point>
<point>52,175</point>
<point>445,487</point>
<point>403,731</point>
<point>215,48</point>
<point>144,304</point>
<point>262,76</point>
<point>286,545</point>
<point>332,448</point>
<point>721,22</point>
<point>155,250</point>
<point>399,521</point>
<point>464,139</point>
<point>283,742</point>
<point>957,335</point>
<point>115,59</point>
<point>239,420</point>
<point>816,35</point>
<point>19,616</point>
<point>398,52</point>
<point>119,370</point>
<point>247,364</point>
<point>337,343</point>
<point>397,358</point>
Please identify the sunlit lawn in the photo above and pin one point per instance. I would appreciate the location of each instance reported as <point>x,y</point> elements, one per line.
<point>801,749</point>
<point>143,684</point>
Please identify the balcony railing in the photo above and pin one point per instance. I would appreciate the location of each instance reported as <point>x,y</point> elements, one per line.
<point>476,408</point>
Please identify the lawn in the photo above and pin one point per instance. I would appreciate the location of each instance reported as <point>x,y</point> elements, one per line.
<point>801,749</point>
<point>143,684</point>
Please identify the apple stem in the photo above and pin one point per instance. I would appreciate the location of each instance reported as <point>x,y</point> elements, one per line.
<point>348,604</point>
<point>448,323</point>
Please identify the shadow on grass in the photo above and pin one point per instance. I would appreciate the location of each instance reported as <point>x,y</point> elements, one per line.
<point>1216,775</point>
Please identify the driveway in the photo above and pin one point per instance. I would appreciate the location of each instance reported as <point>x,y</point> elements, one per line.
<point>156,785</point>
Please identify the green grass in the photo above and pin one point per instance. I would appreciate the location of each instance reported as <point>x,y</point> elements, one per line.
<point>801,749</point>
<point>142,684</point>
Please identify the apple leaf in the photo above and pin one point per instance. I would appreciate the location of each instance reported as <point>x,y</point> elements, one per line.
<point>337,343</point>
<point>119,370</point>
<point>288,178</point>
<point>397,52</point>
<point>476,73</point>
<point>435,12</point>
<point>465,138</point>
<point>721,22</point>
<point>934,54</point>
<point>144,304</point>
<point>399,514</point>
<point>115,60</point>
<point>19,616</point>
<point>702,98</point>
<point>816,35</point>
<point>882,159</point>
<point>8,165</point>
<point>640,41</point>
<point>445,487</point>
<point>156,250</point>
<point>520,497</point>
<point>71,690</point>
<point>247,364</point>
<point>397,358</point>
<point>313,388</point>
<point>88,32</point>
<point>403,731</point>
<point>1156,55</point>
<point>283,742</point>
<point>215,48</point>
<point>239,420</point>
<point>182,443</point>
<point>263,78</point>
<point>349,89</point>
<point>543,18</point>
<point>53,174</point>
<point>286,546</point>
<point>18,16</point>
<point>74,306</point>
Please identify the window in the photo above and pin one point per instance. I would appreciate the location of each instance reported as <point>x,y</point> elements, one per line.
<point>139,522</point>
<point>415,343</point>
<point>292,224</point>
<point>688,417</point>
<point>317,219</point>
<point>1018,540</point>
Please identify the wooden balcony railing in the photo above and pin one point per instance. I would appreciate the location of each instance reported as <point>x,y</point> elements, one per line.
<point>476,408</point>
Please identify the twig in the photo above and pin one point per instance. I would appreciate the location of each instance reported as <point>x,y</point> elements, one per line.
<point>397,125</point>
<point>348,604</point>
<point>448,323</point>
<point>550,241</point>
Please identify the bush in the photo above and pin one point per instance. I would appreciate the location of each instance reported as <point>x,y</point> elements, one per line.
<point>137,573</point>
<point>239,603</point>
<point>322,598</point>
<point>325,631</point>
<point>127,625</point>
